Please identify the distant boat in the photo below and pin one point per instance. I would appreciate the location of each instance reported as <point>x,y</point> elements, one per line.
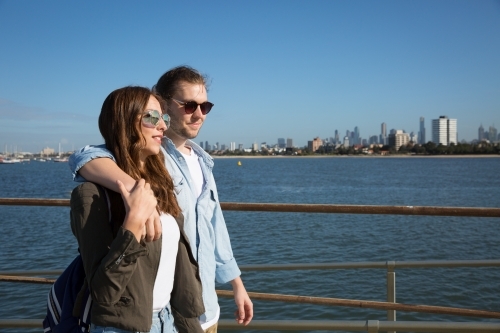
<point>9,160</point>
<point>60,159</point>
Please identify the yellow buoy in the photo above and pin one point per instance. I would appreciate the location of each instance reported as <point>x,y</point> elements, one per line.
<point>239,163</point>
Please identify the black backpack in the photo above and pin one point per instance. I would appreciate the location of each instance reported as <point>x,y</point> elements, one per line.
<point>69,293</point>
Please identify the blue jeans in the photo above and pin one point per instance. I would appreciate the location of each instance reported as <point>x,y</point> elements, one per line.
<point>163,322</point>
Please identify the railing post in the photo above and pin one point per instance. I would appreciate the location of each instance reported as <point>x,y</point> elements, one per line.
<point>391,290</point>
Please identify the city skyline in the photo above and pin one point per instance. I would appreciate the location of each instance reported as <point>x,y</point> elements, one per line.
<point>491,134</point>
<point>275,69</point>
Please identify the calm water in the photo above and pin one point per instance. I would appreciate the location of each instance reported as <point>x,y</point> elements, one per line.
<point>40,237</point>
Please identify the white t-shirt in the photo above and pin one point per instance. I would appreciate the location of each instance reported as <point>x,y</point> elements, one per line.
<point>195,170</point>
<point>193,163</point>
<point>165,276</point>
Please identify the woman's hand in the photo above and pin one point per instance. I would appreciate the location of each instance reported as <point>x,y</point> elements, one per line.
<point>140,204</point>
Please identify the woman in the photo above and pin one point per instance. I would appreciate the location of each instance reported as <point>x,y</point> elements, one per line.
<point>131,281</point>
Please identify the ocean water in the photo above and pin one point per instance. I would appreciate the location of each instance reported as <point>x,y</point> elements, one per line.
<point>40,237</point>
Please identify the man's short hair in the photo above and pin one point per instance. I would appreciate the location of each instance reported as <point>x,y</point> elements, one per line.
<point>168,82</point>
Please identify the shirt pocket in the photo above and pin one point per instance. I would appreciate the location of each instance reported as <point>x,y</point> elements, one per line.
<point>178,184</point>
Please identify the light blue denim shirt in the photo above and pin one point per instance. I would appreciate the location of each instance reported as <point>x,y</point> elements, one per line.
<point>203,220</point>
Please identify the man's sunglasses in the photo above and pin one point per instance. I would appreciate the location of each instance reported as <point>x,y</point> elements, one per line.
<point>191,106</point>
<point>151,118</point>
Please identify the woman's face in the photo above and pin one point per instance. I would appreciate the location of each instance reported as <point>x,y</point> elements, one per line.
<point>152,133</point>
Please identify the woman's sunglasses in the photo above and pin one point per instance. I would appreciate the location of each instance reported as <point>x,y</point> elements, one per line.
<point>151,118</point>
<point>191,106</point>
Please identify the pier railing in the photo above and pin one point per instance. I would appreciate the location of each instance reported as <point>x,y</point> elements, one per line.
<point>391,325</point>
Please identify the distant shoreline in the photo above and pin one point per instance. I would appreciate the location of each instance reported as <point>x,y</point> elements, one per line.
<point>357,156</point>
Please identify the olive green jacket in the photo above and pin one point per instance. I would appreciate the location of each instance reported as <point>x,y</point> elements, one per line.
<point>121,272</point>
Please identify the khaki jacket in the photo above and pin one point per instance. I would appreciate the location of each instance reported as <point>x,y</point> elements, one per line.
<point>121,272</point>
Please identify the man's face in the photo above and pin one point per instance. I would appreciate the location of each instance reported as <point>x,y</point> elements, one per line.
<point>186,126</point>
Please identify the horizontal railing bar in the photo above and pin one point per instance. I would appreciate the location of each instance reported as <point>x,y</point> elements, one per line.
<point>374,264</point>
<point>323,325</point>
<point>322,301</point>
<point>307,208</point>
<point>367,304</point>
<point>364,209</point>
<point>334,265</point>
<point>362,326</point>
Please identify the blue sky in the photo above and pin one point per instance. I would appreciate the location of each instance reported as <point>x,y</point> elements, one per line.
<point>291,69</point>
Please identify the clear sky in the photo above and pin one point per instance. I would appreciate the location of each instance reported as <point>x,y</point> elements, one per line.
<point>291,69</point>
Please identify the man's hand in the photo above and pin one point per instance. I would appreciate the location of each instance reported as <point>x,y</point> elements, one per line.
<point>244,313</point>
<point>140,203</point>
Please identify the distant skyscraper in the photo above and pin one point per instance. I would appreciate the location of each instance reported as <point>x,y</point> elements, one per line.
<point>421,133</point>
<point>232,146</point>
<point>492,134</point>
<point>337,139</point>
<point>240,146</point>
<point>444,131</point>
<point>357,139</point>
<point>346,142</point>
<point>383,134</point>
<point>480,133</point>
<point>281,143</point>
<point>206,146</point>
<point>289,143</point>
<point>201,144</point>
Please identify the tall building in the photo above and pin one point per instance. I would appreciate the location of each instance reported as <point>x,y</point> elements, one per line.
<point>201,144</point>
<point>444,131</point>
<point>232,146</point>
<point>314,144</point>
<point>289,143</point>
<point>383,134</point>
<point>421,133</point>
<point>480,133</point>
<point>357,139</point>
<point>346,142</point>
<point>337,138</point>
<point>281,143</point>
<point>492,134</point>
<point>398,138</point>
<point>207,146</point>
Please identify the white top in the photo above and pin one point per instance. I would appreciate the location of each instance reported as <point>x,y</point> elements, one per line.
<point>194,167</point>
<point>193,163</point>
<point>165,277</point>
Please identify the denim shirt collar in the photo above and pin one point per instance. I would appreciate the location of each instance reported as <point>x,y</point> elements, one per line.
<point>172,149</point>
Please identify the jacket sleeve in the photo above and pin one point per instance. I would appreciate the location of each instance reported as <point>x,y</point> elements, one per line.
<point>84,155</point>
<point>109,263</point>
<point>226,266</point>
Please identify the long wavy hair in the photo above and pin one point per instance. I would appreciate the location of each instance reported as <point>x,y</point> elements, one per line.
<point>120,126</point>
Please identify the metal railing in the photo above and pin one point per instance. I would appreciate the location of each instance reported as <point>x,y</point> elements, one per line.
<point>391,325</point>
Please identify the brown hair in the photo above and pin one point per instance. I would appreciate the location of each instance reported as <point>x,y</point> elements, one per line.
<point>120,127</point>
<point>167,83</point>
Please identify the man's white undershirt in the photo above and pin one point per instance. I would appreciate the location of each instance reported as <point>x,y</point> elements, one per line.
<point>194,167</point>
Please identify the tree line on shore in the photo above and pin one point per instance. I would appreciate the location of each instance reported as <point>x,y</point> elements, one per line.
<point>430,148</point>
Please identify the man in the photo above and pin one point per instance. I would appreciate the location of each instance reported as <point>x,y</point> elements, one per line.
<point>185,92</point>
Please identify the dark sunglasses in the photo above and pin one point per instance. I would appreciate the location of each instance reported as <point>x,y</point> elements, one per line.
<point>151,118</point>
<point>191,106</point>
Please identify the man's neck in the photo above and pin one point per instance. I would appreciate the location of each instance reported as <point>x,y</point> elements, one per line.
<point>179,143</point>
